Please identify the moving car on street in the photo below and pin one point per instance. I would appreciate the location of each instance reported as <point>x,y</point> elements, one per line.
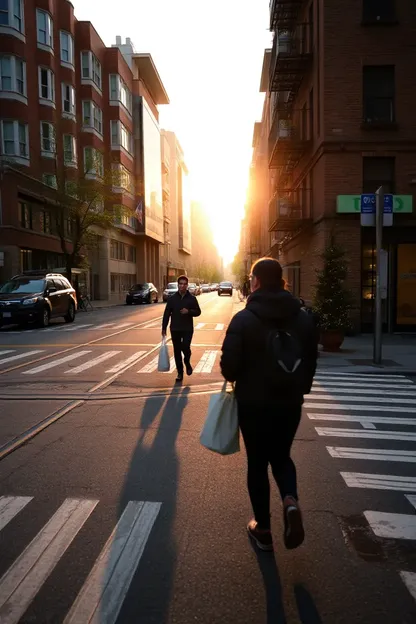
<point>37,297</point>
<point>142,293</point>
<point>225,288</point>
<point>170,290</point>
<point>205,288</point>
<point>193,289</point>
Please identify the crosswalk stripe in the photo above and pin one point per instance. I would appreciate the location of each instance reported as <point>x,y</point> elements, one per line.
<point>123,325</point>
<point>104,326</point>
<point>334,376</point>
<point>91,363</point>
<point>381,420</point>
<point>150,367</point>
<point>412,500</point>
<point>20,356</point>
<point>392,525</point>
<point>344,452</point>
<point>118,367</point>
<point>102,596</point>
<point>339,432</point>
<point>363,384</point>
<point>219,326</point>
<point>54,363</point>
<point>359,399</point>
<point>6,352</point>
<point>27,574</point>
<point>10,507</point>
<point>379,482</point>
<point>409,579</point>
<point>200,326</point>
<point>152,324</point>
<point>359,408</point>
<point>206,362</point>
<point>320,391</point>
<point>76,327</point>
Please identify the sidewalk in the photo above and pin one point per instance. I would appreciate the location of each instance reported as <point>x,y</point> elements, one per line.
<point>356,355</point>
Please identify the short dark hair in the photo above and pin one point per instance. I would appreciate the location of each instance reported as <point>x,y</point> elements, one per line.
<point>183,277</point>
<point>269,273</point>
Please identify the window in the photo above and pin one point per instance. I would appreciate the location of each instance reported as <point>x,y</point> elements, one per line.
<point>25,215</point>
<point>11,14</point>
<point>13,75</point>
<point>46,84</point>
<point>378,94</point>
<point>70,149</point>
<point>45,222</point>
<point>121,251</point>
<point>67,48</point>
<point>68,99</point>
<point>125,218</point>
<point>121,137</point>
<point>122,178</point>
<point>47,135</point>
<point>91,68</point>
<point>119,92</point>
<point>50,180</point>
<point>379,11</point>
<point>93,162</point>
<point>377,172</point>
<point>15,139</point>
<point>45,28</point>
<point>92,116</point>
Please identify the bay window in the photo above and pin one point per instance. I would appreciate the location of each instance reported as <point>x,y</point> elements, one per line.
<point>70,150</point>
<point>44,26</point>
<point>93,162</point>
<point>91,68</point>
<point>120,93</point>
<point>46,86</point>
<point>47,138</point>
<point>11,16</point>
<point>92,116</point>
<point>13,77</point>
<point>67,48</point>
<point>68,100</point>
<point>15,140</point>
<point>121,137</point>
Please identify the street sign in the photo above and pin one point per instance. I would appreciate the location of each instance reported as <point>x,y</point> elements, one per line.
<point>368,210</point>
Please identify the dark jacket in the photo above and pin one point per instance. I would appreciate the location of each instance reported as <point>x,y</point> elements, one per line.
<point>178,321</point>
<point>244,360</point>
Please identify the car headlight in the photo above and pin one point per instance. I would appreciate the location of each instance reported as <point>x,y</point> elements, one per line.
<point>30,301</point>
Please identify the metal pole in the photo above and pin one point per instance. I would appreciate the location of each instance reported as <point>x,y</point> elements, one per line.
<point>378,321</point>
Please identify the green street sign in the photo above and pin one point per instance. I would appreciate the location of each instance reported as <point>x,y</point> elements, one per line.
<point>349,204</point>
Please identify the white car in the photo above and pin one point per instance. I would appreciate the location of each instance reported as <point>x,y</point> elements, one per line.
<point>170,290</point>
<point>205,288</point>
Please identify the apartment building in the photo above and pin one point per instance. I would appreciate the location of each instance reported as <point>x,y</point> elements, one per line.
<point>339,116</point>
<point>66,101</point>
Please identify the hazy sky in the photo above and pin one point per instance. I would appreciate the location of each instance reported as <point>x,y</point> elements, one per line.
<point>209,56</point>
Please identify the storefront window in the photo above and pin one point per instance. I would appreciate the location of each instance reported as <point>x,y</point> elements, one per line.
<point>406,285</point>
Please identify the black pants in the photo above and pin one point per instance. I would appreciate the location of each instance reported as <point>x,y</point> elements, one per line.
<point>181,341</point>
<point>268,433</point>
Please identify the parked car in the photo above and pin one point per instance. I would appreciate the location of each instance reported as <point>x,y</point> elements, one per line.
<point>205,288</point>
<point>225,288</point>
<point>193,288</point>
<point>170,290</point>
<point>142,293</point>
<point>214,287</point>
<point>36,297</point>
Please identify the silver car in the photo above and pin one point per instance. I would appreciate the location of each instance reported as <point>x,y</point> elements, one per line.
<point>170,290</point>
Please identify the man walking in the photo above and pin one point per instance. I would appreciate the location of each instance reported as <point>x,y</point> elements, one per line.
<point>270,352</point>
<point>181,309</point>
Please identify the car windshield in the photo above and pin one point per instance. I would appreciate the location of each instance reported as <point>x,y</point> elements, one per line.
<point>226,284</point>
<point>172,286</point>
<point>139,287</point>
<point>22,286</point>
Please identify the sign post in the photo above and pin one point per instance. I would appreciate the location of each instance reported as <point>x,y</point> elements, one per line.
<point>378,322</point>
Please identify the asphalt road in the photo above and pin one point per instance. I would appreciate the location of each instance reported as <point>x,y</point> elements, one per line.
<point>115,513</point>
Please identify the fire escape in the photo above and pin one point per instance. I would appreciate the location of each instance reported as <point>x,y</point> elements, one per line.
<point>289,138</point>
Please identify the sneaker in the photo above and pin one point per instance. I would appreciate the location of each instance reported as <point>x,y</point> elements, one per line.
<point>179,378</point>
<point>294,533</point>
<point>189,370</point>
<point>261,537</point>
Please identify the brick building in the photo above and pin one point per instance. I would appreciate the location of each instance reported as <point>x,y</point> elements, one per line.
<point>339,115</point>
<point>67,100</point>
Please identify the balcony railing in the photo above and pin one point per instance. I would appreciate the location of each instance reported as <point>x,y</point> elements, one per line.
<point>286,144</point>
<point>285,214</point>
<point>290,59</point>
<point>379,110</point>
<point>284,13</point>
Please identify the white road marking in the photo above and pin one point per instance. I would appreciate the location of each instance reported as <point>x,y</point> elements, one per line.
<point>381,420</point>
<point>379,482</point>
<point>200,326</point>
<point>319,390</point>
<point>359,399</point>
<point>344,452</point>
<point>104,326</point>
<point>118,367</point>
<point>54,363</point>
<point>409,579</point>
<point>104,591</point>
<point>76,327</point>
<point>362,384</point>
<point>339,432</point>
<point>392,525</point>
<point>10,507</point>
<point>219,326</point>
<point>6,352</point>
<point>20,356</point>
<point>412,500</point>
<point>91,363</point>
<point>150,367</point>
<point>27,574</point>
<point>206,362</point>
<point>122,325</point>
<point>361,408</point>
<point>152,324</point>
<point>334,376</point>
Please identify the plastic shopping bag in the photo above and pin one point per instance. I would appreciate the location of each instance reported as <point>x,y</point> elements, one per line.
<point>163,365</point>
<point>220,432</point>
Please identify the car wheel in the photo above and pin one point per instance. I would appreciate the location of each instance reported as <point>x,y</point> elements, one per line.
<point>44,321</point>
<point>70,315</point>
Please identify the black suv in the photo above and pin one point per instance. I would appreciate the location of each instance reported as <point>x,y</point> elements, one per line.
<point>36,297</point>
<point>225,288</point>
<point>142,293</point>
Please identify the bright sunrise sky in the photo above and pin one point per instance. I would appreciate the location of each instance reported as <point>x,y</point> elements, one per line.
<point>209,56</point>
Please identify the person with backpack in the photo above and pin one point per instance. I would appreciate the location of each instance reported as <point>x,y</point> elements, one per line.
<point>270,352</point>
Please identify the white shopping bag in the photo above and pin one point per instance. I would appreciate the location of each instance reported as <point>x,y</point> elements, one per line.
<point>220,432</point>
<point>163,365</point>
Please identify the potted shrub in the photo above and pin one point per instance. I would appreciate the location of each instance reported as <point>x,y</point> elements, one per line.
<point>332,300</point>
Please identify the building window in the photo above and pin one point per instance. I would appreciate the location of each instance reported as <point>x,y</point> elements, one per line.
<point>47,137</point>
<point>70,150</point>
<point>120,93</point>
<point>13,75</point>
<point>68,99</point>
<point>378,172</point>
<point>67,48</point>
<point>378,94</point>
<point>121,137</point>
<point>121,251</point>
<point>11,14</point>
<point>122,179</point>
<point>92,116</point>
<point>379,11</point>
<point>15,139</point>
<point>91,68</point>
<point>93,162</point>
<point>25,215</point>
<point>45,28</point>
<point>50,180</point>
<point>46,85</point>
<point>45,222</point>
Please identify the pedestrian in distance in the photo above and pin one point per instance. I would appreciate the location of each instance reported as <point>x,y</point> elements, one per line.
<point>270,352</point>
<point>181,309</point>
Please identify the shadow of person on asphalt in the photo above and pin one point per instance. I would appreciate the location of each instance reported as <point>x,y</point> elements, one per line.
<point>153,477</point>
<point>272,585</point>
<point>308,612</point>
